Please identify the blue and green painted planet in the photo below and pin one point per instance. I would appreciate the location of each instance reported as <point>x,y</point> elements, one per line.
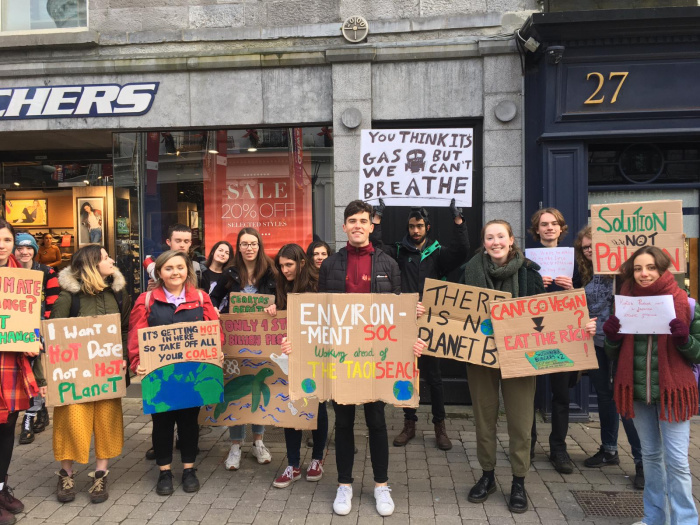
<point>182,385</point>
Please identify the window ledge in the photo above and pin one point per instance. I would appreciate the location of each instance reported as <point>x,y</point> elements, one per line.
<point>86,38</point>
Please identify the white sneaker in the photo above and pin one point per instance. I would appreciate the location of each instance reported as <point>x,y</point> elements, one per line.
<point>233,461</point>
<point>385,505</point>
<point>260,451</point>
<point>343,500</point>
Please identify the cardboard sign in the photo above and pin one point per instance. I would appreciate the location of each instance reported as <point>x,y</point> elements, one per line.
<point>424,167</point>
<point>245,303</point>
<point>541,334</point>
<point>553,262</point>
<point>84,359</point>
<point>20,309</point>
<point>182,363</point>
<point>457,322</point>
<point>619,230</point>
<point>353,348</point>
<point>256,385</point>
<point>645,315</point>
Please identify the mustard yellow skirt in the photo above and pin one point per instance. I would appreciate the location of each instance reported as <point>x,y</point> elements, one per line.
<point>74,426</point>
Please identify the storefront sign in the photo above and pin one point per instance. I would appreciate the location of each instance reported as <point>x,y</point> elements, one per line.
<point>20,309</point>
<point>92,100</point>
<point>543,334</point>
<point>84,359</point>
<point>353,348</point>
<point>457,322</point>
<point>256,387</point>
<point>621,229</point>
<point>421,167</point>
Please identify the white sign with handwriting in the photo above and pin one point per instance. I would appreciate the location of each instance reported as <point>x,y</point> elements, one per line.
<point>553,262</point>
<point>645,315</point>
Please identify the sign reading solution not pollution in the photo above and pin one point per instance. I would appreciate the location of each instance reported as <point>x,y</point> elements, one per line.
<point>541,334</point>
<point>457,322</point>
<point>20,309</point>
<point>353,348</point>
<point>83,360</point>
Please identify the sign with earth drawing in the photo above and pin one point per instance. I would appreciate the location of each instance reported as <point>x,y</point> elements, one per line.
<point>256,385</point>
<point>182,364</point>
<point>353,348</point>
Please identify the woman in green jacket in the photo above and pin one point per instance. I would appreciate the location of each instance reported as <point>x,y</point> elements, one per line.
<point>656,386</point>
<point>98,286</point>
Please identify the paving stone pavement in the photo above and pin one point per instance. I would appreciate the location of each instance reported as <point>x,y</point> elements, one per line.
<point>428,485</point>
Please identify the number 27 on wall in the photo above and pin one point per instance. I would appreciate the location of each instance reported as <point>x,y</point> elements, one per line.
<point>622,75</point>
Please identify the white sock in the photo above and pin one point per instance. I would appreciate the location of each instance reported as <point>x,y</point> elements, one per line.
<point>2,485</point>
<point>258,442</point>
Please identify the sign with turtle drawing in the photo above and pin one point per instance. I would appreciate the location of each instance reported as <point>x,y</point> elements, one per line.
<point>183,367</point>
<point>353,348</point>
<point>256,387</point>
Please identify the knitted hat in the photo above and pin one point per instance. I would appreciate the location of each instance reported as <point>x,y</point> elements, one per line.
<point>24,239</point>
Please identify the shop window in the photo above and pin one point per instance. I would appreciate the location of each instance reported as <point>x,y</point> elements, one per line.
<point>33,15</point>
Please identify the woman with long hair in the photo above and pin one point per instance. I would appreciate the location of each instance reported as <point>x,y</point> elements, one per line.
<point>252,272</point>
<point>99,288</point>
<point>655,385</point>
<point>92,220</point>
<point>220,258</point>
<point>174,299</point>
<point>18,385</point>
<point>48,254</point>
<point>317,252</point>
<point>600,298</point>
<point>297,274</point>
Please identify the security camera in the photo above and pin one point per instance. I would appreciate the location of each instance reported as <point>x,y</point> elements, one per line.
<point>555,54</point>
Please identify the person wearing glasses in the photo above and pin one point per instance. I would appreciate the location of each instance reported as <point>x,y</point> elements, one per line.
<point>253,271</point>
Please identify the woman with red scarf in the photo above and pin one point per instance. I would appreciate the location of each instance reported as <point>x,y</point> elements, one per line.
<point>656,386</point>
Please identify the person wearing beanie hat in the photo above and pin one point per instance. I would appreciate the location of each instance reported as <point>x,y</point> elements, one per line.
<point>24,239</point>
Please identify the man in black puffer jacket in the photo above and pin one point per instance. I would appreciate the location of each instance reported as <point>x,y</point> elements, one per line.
<point>419,258</point>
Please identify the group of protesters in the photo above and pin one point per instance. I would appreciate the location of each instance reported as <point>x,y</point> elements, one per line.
<point>647,379</point>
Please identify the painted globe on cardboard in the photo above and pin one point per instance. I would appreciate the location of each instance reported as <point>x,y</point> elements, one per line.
<point>182,385</point>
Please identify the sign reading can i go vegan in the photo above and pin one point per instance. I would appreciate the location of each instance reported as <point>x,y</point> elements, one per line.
<point>621,229</point>
<point>353,348</point>
<point>20,309</point>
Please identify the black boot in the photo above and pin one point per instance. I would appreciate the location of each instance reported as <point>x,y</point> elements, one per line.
<point>164,487</point>
<point>190,483</point>
<point>26,436</point>
<point>518,498</point>
<point>485,486</point>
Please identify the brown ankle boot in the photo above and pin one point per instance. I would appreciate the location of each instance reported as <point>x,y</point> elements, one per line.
<point>407,434</point>
<point>8,500</point>
<point>443,442</point>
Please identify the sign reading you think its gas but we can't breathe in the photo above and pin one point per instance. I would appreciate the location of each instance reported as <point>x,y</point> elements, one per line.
<point>353,348</point>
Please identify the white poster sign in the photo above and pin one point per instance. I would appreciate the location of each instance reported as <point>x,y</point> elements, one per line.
<point>645,315</point>
<point>420,167</point>
<point>553,262</point>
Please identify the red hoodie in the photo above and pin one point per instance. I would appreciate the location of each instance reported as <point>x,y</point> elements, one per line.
<point>358,278</point>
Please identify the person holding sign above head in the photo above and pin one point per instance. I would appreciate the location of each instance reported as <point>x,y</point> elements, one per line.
<point>359,268</point>
<point>175,299</point>
<point>317,252</point>
<point>253,271</point>
<point>94,284</point>
<point>17,387</point>
<point>502,266</point>
<point>297,274</point>
<point>655,385</point>
<point>599,296</point>
<point>548,227</point>
<point>420,257</point>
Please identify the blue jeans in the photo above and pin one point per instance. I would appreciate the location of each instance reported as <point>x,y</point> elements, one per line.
<point>96,236</point>
<point>237,433</point>
<point>292,438</point>
<point>666,469</point>
<point>609,420</point>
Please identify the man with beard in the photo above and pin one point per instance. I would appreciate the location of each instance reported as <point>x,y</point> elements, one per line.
<point>420,257</point>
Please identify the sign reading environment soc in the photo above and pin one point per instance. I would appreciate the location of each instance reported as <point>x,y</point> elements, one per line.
<point>419,167</point>
<point>90,100</point>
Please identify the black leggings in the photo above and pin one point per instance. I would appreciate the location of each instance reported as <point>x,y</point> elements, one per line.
<point>7,443</point>
<point>187,432</point>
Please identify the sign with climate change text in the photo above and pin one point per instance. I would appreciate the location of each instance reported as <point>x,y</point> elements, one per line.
<point>353,348</point>
<point>20,309</point>
<point>457,322</point>
<point>621,229</point>
<point>84,359</point>
<point>419,167</point>
<point>541,334</point>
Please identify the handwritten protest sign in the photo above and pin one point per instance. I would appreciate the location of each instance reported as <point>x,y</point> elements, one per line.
<point>417,167</point>
<point>84,359</point>
<point>182,363</point>
<point>621,229</point>
<point>553,262</point>
<point>20,309</point>
<point>645,315</point>
<point>256,385</point>
<point>353,348</point>
<point>541,334</point>
<point>457,322</point>
<point>242,303</point>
